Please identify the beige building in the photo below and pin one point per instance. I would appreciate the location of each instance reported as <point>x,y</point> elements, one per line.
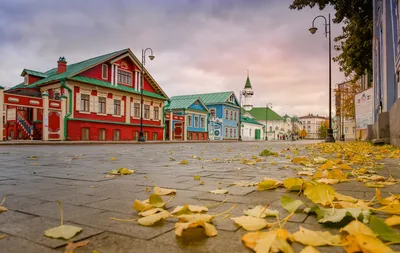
<point>311,124</point>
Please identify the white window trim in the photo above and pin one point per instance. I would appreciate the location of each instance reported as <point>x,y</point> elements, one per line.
<point>26,79</point>
<point>102,72</point>
<point>194,123</point>
<point>159,113</point>
<point>123,70</point>
<point>120,108</point>
<point>190,122</point>
<point>80,109</point>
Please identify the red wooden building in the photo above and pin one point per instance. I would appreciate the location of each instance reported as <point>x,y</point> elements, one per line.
<point>96,99</point>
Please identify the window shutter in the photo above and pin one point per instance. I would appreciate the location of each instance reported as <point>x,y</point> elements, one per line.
<point>95,104</point>
<point>78,101</point>
<point>109,106</point>
<point>91,103</point>
<point>122,107</point>
<point>132,109</point>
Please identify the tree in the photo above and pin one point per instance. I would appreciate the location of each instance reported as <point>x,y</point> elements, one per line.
<point>323,129</point>
<point>355,42</point>
<point>345,94</point>
<point>303,134</point>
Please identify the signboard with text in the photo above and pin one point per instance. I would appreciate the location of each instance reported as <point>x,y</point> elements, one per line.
<point>364,106</point>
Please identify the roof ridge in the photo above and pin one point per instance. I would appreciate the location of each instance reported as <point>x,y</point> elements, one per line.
<point>103,55</point>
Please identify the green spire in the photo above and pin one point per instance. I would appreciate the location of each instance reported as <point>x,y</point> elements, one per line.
<point>248,84</point>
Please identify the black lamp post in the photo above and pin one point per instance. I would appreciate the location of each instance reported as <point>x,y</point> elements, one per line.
<point>151,57</point>
<point>313,29</point>
<point>268,105</point>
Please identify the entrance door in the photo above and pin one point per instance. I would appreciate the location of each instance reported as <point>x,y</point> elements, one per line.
<point>258,134</point>
<point>178,131</point>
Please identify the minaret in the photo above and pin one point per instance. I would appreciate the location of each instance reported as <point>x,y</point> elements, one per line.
<point>247,93</point>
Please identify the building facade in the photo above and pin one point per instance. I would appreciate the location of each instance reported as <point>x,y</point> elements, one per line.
<point>311,123</point>
<point>251,129</point>
<point>96,99</point>
<point>272,122</point>
<point>196,117</point>
<point>224,114</point>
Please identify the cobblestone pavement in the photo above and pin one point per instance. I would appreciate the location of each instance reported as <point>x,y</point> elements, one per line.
<point>75,175</point>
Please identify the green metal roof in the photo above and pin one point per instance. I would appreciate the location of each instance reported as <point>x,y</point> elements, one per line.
<point>259,114</point>
<point>71,69</point>
<point>102,83</point>
<point>209,98</point>
<point>248,84</point>
<point>177,103</point>
<point>250,120</point>
<point>34,73</point>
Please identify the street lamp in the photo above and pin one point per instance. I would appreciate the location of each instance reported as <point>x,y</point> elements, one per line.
<point>240,114</point>
<point>151,57</point>
<point>268,105</point>
<point>313,30</point>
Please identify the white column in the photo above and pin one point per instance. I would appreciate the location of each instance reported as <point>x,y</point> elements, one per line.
<point>116,75</point>
<point>112,74</point>
<point>34,114</point>
<point>136,80</point>
<point>62,116</point>
<point>185,128</point>
<point>45,97</point>
<point>170,125</point>
<point>1,112</point>
<point>128,110</point>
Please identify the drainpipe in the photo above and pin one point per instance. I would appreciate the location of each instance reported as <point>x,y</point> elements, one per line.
<point>70,108</point>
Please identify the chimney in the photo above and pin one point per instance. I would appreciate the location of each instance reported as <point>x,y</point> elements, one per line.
<point>62,65</point>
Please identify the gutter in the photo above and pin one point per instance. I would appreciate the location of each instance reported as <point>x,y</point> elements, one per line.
<point>70,108</point>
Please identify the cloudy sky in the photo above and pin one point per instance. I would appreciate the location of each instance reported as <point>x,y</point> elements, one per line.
<point>200,45</point>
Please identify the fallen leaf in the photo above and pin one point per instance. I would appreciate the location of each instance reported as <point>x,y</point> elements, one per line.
<point>271,241</point>
<point>2,208</point>
<point>260,212</point>
<point>163,191</point>
<point>393,221</point>
<point>3,236</point>
<point>315,238</point>
<point>196,177</point>
<point>184,162</point>
<point>250,223</point>
<point>268,184</point>
<point>393,208</point>
<point>189,209</point>
<point>151,219</point>
<point>357,227</point>
<point>328,181</point>
<point>309,249</point>
<point>304,173</point>
<point>156,201</point>
<point>63,231</point>
<point>371,244</point>
<point>141,205</point>
<point>294,184</point>
<point>290,204</point>
<point>220,191</point>
<point>71,246</point>
<point>345,198</point>
<point>266,152</point>
<point>334,215</point>
<point>112,159</point>
<point>245,184</point>
<point>151,212</point>
<point>303,160</point>
<point>345,167</point>
<point>320,194</point>
<point>209,229</point>
<point>384,232</point>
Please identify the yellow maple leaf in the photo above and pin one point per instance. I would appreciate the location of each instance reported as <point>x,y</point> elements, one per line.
<point>315,238</point>
<point>393,220</point>
<point>294,184</point>
<point>251,223</point>
<point>163,191</point>
<point>268,184</point>
<point>320,193</point>
<point>357,227</point>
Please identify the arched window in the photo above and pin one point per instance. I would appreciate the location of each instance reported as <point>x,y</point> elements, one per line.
<point>226,113</point>
<point>270,128</point>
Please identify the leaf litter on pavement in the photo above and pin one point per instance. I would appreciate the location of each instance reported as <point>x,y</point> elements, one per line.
<point>324,165</point>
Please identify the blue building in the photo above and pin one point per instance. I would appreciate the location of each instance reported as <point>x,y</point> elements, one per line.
<point>186,118</point>
<point>386,61</point>
<point>224,110</point>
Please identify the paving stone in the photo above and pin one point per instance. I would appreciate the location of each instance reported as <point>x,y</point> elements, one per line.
<point>11,217</point>
<point>51,210</point>
<point>20,202</point>
<point>116,205</point>
<point>133,229</point>
<point>194,240</point>
<point>33,230</point>
<point>74,199</point>
<point>14,244</point>
<point>113,243</point>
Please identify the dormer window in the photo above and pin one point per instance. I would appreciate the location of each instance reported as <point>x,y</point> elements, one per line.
<point>231,99</point>
<point>124,77</point>
<point>104,72</point>
<point>26,79</point>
